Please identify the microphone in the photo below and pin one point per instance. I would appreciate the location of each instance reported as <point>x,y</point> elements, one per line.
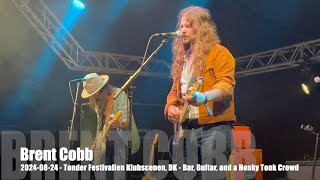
<point>307,128</point>
<point>79,79</point>
<point>177,34</point>
<point>316,79</point>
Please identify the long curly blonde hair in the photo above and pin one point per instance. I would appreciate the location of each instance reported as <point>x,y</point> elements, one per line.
<point>205,38</point>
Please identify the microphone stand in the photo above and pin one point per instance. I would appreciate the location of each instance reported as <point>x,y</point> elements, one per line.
<point>70,128</point>
<point>310,129</point>
<point>130,94</point>
<point>315,154</point>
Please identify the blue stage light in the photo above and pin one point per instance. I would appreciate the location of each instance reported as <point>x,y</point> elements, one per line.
<point>78,4</point>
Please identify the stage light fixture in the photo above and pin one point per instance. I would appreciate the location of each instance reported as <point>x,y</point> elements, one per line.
<point>78,4</point>
<point>305,88</point>
<point>305,80</point>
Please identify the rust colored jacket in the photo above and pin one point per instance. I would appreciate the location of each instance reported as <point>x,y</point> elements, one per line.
<point>219,73</point>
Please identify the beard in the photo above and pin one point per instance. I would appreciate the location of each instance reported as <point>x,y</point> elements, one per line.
<point>189,40</point>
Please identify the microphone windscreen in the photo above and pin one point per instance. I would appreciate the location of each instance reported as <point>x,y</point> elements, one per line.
<point>179,34</point>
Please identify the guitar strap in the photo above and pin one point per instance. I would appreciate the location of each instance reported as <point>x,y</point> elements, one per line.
<point>109,106</point>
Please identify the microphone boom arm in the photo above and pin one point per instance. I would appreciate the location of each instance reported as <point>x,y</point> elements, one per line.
<point>134,75</point>
<point>130,94</point>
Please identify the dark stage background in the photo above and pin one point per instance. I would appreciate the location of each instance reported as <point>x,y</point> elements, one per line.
<point>34,93</point>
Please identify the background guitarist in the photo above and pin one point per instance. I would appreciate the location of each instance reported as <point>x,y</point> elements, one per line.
<point>199,54</point>
<point>100,95</point>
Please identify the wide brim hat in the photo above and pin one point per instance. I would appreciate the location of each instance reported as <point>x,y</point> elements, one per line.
<point>93,84</point>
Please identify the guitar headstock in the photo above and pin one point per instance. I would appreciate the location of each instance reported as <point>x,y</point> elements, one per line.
<point>117,116</point>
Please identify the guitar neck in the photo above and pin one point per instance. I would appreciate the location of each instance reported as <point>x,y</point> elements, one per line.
<point>155,140</point>
<point>106,127</point>
<point>105,130</point>
<point>151,159</point>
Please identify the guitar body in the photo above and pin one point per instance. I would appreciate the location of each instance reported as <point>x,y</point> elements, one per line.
<point>101,142</point>
<point>100,149</point>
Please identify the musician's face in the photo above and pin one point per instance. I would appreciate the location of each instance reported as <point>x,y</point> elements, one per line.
<point>187,30</point>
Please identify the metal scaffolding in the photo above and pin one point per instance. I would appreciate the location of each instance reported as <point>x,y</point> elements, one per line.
<point>71,52</point>
<point>278,59</point>
<point>76,58</point>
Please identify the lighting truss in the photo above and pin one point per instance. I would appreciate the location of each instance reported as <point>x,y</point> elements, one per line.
<point>71,52</point>
<point>76,58</point>
<point>278,59</point>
